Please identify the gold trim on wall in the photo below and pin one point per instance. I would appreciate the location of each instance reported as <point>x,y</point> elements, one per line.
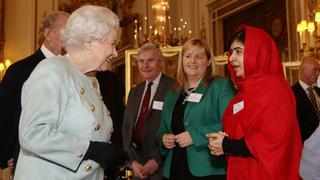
<point>291,71</point>
<point>2,39</point>
<point>221,59</point>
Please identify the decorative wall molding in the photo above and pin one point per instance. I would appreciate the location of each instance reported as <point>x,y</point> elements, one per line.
<point>281,23</point>
<point>122,9</point>
<point>2,39</point>
<point>218,11</point>
<point>293,50</point>
<point>269,15</point>
<point>71,5</point>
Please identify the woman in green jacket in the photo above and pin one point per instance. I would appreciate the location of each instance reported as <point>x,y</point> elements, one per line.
<point>193,108</point>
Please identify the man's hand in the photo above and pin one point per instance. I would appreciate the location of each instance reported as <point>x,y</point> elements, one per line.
<point>10,163</point>
<point>137,170</point>
<point>150,167</point>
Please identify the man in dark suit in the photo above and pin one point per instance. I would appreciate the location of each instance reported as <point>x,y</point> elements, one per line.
<point>142,117</point>
<point>13,80</point>
<point>307,112</point>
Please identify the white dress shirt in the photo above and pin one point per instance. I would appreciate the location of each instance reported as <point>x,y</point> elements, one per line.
<point>154,87</point>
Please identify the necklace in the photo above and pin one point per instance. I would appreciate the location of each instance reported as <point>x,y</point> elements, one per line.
<point>188,92</point>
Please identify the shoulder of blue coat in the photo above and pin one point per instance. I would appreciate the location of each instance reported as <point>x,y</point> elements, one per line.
<point>56,65</point>
<point>54,61</point>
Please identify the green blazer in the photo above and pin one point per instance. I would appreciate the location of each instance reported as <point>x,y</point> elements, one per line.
<point>199,119</point>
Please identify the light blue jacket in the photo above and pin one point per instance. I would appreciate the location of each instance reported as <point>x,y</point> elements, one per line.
<point>62,110</point>
<point>199,119</point>
<point>310,161</point>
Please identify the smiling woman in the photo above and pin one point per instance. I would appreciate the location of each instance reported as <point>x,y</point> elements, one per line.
<point>191,109</point>
<point>91,42</point>
<point>70,133</point>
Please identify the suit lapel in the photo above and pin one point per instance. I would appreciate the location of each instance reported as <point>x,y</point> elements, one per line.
<point>136,103</point>
<point>38,56</point>
<point>161,87</point>
<point>157,96</point>
<point>302,92</point>
<point>304,96</point>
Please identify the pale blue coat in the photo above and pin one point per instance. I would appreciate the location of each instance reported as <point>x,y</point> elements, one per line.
<point>62,110</point>
<point>310,160</point>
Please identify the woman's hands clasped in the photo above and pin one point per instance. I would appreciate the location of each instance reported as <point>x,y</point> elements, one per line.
<point>215,143</point>
<point>183,140</point>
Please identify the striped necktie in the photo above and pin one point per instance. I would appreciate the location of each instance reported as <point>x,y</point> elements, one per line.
<point>314,102</point>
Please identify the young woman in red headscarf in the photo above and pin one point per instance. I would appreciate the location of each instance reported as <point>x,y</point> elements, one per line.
<point>261,138</point>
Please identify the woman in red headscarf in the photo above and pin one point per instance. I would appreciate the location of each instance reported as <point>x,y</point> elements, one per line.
<point>261,138</point>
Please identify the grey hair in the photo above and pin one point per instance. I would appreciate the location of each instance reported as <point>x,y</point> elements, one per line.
<point>50,20</point>
<point>151,46</point>
<point>88,23</point>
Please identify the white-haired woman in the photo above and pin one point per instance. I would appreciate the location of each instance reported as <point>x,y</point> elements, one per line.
<point>64,125</point>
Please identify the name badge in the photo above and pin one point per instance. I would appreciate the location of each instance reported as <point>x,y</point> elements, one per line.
<point>194,97</point>
<point>238,107</point>
<point>157,105</point>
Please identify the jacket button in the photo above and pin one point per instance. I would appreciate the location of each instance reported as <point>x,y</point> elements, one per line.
<point>94,84</point>
<point>92,107</point>
<point>82,91</point>
<point>186,123</point>
<point>97,127</point>
<point>88,167</point>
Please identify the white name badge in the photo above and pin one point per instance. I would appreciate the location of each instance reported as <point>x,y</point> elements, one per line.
<point>194,97</point>
<point>157,105</point>
<point>238,107</point>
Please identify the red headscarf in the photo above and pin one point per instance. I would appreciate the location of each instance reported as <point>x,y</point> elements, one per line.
<point>263,113</point>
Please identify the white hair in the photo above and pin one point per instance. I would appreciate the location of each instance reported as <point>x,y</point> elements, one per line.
<point>88,23</point>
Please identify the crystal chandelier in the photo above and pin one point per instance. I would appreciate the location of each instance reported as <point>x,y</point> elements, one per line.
<point>160,31</point>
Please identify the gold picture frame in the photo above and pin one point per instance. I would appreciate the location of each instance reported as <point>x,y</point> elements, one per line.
<point>291,71</point>
<point>132,75</point>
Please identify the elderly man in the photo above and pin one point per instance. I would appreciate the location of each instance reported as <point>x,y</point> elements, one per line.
<point>11,85</point>
<point>307,97</point>
<point>142,115</point>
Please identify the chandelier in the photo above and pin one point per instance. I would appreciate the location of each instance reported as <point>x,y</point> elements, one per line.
<point>309,35</point>
<point>160,31</point>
